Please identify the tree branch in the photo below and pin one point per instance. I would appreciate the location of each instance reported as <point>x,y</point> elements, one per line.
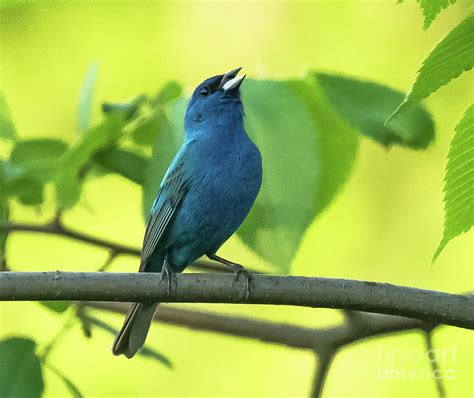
<point>325,342</point>
<point>434,364</point>
<point>56,227</point>
<point>314,339</point>
<point>430,306</point>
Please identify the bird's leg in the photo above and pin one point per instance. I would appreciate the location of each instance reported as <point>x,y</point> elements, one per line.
<point>238,269</point>
<point>168,274</point>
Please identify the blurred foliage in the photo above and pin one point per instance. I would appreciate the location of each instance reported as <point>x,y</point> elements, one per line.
<point>72,162</point>
<point>366,106</point>
<point>56,306</point>
<point>7,128</point>
<point>273,107</point>
<point>145,351</point>
<point>281,214</point>
<point>85,98</point>
<point>307,129</point>
<point>21,374</point>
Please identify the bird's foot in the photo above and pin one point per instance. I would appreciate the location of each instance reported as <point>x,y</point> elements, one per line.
<point>241,270</point>
<point>168,274</point>
<point>238,270</point>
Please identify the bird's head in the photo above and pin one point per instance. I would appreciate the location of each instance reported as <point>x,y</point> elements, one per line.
<point>216,101</point>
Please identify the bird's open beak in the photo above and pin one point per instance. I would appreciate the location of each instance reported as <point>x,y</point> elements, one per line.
<point>231,81</point>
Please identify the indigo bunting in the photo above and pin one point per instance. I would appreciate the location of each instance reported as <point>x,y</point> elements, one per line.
<point>205,195</point>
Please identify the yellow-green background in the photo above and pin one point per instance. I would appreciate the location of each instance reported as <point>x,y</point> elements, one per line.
<point>384,226</point>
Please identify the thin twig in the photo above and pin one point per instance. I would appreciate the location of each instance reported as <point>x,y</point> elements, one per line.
<point>325,358</point>
<point>108,262</point>
<point>433,360</point>
<point>56,227</point>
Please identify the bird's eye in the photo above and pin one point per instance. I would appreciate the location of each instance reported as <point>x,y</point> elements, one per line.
<point>204,91</point>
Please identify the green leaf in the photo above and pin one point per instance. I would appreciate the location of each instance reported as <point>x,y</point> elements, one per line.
<point>67,180</point>
<point>453,55</point>
<point>170,91</point>
<point>39,157</point>
<point>125,163</point>
<point>145,351</point>
<point>56,306</point>
<point>85,98</point>
<point>297,132</point>
<point>32,163</point>
<point>20,374</point>
<point>366,106</point>
<point>431,8</point>
<point>459,182</point>
<point>4,216</point>
<point>129,109</point>
<point>12,3</point>
<point>20,183</point>
<point>7,128</point>
<point>146,129</point>
<point>169,137</point>
<point>72,388</point>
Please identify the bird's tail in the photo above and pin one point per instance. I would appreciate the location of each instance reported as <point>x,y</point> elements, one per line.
<point>134,330</point>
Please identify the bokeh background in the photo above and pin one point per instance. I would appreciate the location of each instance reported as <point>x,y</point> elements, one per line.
<point>384,226</point>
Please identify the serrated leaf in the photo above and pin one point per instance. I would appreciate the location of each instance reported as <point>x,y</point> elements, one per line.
<point>38,156</point>
<point>7,128</point>
<point>72,388</point>
<point>67,180</point>
<point>145,351</point>
<point>85,98</point>
<point>297,133</point>
<point>56,306</point>
<point>459,182</point>
<point>367,105</point>
<point>125,163</point>
<point>20,369</point>
<point>431,8</point>
<point>453,55</point>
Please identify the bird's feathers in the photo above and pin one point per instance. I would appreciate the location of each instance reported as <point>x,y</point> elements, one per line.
<point>135,329</point>
<point>204,196</point>
<point>171,194</point>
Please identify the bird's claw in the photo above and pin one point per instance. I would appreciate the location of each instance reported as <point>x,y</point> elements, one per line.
<point>168,274</point>
<point>240,270</point>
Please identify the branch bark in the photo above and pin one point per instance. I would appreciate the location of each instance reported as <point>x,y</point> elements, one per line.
<point>430,306</point>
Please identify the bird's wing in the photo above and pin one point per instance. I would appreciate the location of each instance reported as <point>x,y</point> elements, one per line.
<point>172,191</point>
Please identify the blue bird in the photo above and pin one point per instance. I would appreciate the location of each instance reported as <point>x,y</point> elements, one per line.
<point>205,195</point>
